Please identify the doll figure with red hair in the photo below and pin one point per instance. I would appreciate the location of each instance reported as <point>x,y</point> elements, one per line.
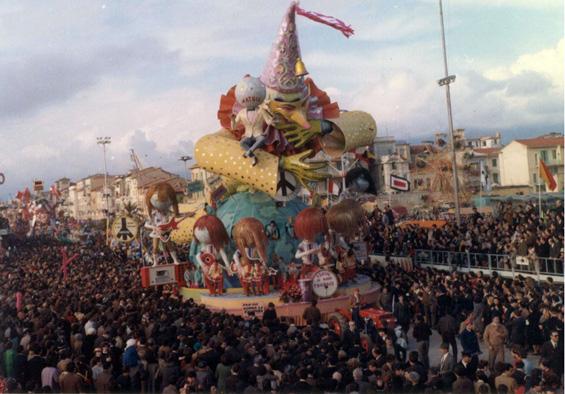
<point>310,223</point>
<point>211,234</point>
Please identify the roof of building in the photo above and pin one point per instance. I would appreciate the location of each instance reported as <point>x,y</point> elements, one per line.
<point>421,148</point>
<point>487,151</point>
<point>150,176</point>
<point>542,141</point>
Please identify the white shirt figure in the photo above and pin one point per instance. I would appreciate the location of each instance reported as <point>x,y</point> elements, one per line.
<point>306,250</point>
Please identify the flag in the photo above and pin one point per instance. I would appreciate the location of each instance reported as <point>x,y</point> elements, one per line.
<point>547,176</point>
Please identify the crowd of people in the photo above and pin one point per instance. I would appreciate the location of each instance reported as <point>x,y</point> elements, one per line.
<point>94,329</point>
<point>512,229</point>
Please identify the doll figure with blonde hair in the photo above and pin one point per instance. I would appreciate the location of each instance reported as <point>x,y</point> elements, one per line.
<point>251,242</point>
<point>346,220</point>
<point>309,224</point>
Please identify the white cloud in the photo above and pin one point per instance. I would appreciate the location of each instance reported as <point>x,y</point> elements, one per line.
<point>548,62</point>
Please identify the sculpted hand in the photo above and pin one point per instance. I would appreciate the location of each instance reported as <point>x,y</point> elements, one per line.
<point>304,172</point>
<point>298,136</point>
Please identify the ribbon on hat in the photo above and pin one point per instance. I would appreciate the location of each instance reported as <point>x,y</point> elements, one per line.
<point>337,24</point>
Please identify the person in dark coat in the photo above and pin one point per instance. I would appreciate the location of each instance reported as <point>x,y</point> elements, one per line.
<point>35,365</point>
<point>270,318</point>
<point>447,327</point>
<point>552,353</point>
<point>422,334</point>
<point>302,386</point>
<point>518,329</point>
<point>403,314</point>
<point>312,314</point>
<point>468,365</point>
<point>462,384</point>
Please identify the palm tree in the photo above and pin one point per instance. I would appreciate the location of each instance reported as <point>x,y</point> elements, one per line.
<point>130,208</point>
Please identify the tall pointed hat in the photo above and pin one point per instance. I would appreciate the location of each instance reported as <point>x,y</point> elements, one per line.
<point>279,72</point>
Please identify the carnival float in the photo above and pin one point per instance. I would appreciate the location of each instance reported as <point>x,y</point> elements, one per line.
<point>259,242</point>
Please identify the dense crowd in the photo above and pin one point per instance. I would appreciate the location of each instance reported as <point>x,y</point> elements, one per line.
<point>513,229</point>
<point>98,331</point>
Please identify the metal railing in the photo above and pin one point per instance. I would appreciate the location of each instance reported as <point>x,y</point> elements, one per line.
<point>485,261</point>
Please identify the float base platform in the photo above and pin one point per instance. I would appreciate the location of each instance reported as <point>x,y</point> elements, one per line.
<point>235,302</point>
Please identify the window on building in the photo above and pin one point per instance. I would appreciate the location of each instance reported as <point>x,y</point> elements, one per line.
<point>535,178</point>
<point>543,155</point>
<point>494,163</point>
<point>393,166</point>
<point>484,143</point>
<point>554,154</point>
<point>495,177</point>
<point>536,158</point>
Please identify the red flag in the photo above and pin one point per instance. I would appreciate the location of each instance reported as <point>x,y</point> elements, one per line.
<point>547,176</point>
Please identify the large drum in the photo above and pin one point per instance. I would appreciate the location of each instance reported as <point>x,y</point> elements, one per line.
<point>306,289</point>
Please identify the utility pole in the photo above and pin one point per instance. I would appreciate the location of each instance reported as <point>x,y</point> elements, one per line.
<point>445,81</point>
<point>105,141</point>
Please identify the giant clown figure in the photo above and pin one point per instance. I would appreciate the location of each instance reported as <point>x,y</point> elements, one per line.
<point>284,127</point>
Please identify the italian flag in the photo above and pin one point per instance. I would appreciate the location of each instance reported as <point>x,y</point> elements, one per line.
<point>547,176</point>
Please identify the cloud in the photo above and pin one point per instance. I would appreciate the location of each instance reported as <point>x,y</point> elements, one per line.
<point>30,83</point>
<point>527,83</point>
<point>527,4</point>
<point>548,62</point>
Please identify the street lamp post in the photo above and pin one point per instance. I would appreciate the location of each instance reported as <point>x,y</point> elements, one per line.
<point>445,81</point>
<point>186,159</point>
<point>105,141</point>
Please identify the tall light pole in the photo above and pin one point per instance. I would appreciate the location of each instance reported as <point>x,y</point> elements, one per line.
<point>445,81</point>
<point>105,141</point>
<point>185,159</point>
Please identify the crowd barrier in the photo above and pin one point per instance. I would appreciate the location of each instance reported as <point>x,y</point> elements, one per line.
<point>492,262</point>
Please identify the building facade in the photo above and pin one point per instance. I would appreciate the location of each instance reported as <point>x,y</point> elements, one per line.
<point>519,161</point>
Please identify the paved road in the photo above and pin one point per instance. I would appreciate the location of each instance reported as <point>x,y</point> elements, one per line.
<point>435,342</point>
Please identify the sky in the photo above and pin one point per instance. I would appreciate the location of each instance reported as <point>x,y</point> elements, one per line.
<point>149,74</point>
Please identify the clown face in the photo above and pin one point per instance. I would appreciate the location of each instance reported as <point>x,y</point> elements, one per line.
<point>291,107</point>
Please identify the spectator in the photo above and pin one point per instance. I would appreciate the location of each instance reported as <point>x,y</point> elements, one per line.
<point>462,382</point>
<point>312,315</point>
<point>495,336</point>
<point>69,381</point>
<point>552,353</point>
<point>506,379</point>
<point>447,327</point>
<point>470,344</point>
